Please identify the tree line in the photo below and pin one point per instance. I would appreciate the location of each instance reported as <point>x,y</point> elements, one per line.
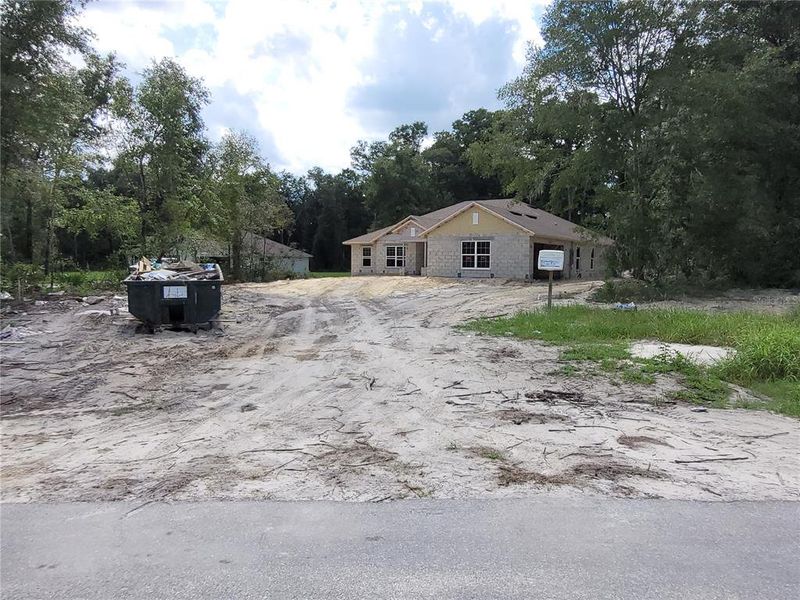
<point>671,125</point>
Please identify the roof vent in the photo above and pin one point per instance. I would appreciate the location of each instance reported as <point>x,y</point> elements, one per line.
<point>515,213</point>
<point>532,216</point>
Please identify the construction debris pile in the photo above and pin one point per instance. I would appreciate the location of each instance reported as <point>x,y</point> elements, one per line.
<point>181,270</point>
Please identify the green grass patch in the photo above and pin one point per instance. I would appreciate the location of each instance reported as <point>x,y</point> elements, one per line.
<point>635,375</point>
<point>783,394</point>
<point>85,282</point>
<point>320,274</point>
<point>767,347</point>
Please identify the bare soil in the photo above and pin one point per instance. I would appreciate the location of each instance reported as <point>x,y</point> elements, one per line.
<point>355,389</point>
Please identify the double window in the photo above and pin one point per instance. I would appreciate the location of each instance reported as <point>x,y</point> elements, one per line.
<point>395,256</point>
<point>476,254</point>
<point>366,256</point>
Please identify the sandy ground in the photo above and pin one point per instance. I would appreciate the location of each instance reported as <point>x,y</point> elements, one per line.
<point>355,389</point>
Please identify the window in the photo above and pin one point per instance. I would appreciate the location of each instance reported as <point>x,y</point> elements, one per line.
<point>366,256</point>
<point>475,218</point>
<point>578,258</point>
<point>413,232</point>
<point>395,256</point>
<point>591,259</point>
<point>475,255</point>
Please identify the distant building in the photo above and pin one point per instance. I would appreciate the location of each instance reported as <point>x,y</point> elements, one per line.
<point>258,252</point>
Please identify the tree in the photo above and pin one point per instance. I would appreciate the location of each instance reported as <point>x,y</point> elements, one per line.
<point>52,114</point>
<point>247,196</point>
<point>162,158</point>
<point>397,179</point>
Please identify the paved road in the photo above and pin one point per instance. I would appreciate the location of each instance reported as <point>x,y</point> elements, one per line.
<point>526,548</point>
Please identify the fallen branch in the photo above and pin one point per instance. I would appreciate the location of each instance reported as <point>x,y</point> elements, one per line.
<point>681,461</point>
<point>587,454</point>
<point>411,392</point>
<point>764,437</point>
<point>471,394</point>
<point>371,462</point>
<point>598,426</point>
<point>272,450</point>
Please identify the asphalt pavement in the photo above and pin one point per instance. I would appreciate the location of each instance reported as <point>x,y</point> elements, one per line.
<point>590,548</point>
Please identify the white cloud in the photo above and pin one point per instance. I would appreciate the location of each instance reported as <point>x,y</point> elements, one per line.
<point>520,11</point>
<point>295,61</point>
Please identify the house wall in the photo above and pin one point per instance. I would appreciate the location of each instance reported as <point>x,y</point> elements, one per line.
<point>571,270</point>
<point>487,224</point>
<point>586,270</point>
<point>510,256</point>
<point>356,255</point>
<point>295,265</point>
<point>510,252</point>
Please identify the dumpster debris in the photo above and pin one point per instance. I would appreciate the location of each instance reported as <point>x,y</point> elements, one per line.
<point>177,293</point>
<point>625,306</point>
<point>176,271</point>
<point>11,333</point>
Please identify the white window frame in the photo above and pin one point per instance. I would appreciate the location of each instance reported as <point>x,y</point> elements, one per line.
<point>398,256</point>
<point>475,217</point>
<point>366,256</point>
<point>475,254</point>
<point>413,232</point>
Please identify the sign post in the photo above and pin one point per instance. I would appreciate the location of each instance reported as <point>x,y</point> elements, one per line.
<point>550,260</point>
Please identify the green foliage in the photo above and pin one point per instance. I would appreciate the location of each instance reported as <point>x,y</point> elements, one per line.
<point>769,353</point>
<point>630,290</point>
<point>397,179</point>
<point>160,164</point>
<point>596,351</point>
<point>783,396</point>
<point>247,197</point>
<point>767,346</point>
<point>670,125</point>
<point>86,282</point>
<point>20,276</point>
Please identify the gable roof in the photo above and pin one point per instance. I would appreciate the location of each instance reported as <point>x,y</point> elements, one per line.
<point>369,238</point>
<point>533,221</point>
<point>253,243</point>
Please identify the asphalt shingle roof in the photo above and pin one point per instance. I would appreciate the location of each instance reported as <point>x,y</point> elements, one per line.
<point>535,220</point>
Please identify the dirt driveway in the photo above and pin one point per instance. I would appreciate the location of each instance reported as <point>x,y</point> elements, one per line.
<point>355,389</point>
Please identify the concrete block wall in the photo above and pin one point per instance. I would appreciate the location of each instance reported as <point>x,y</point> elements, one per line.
<point>356,264</point>
<point>587,270</point>
<point>510,256</point>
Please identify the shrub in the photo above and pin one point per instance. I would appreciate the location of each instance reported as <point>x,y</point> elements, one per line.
<point>26,275</point>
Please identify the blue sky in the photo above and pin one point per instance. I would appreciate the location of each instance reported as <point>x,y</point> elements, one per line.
<point>310,78</point>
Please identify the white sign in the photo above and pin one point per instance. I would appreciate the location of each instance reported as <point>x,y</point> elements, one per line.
<point>175,291</point>
<point>551,260</point>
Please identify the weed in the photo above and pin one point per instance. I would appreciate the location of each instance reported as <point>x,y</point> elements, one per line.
<point>635,375</point>
<point>597,352</point>
<point>629,290</point>
<point>767,347</point>
<point>488,453</point>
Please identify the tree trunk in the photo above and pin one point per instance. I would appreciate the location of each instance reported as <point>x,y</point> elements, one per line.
<point>27,249</point>
<point>236,256</point>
